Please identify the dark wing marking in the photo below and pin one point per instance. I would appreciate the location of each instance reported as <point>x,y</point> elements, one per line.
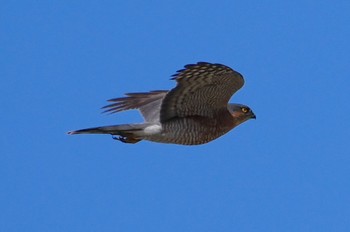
<point>148,103</point>
<point>201,89</point>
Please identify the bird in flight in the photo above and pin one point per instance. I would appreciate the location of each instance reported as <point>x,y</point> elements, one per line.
<point>195,112</point>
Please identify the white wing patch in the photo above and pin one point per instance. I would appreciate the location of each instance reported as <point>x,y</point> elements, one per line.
<point>153,129</point>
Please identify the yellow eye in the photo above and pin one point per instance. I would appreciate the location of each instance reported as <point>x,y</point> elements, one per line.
<point>244,110</point>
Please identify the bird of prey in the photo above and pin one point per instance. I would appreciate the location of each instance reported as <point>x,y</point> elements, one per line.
<point>195,112</point>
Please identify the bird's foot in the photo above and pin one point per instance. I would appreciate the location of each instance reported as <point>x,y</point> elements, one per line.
<point>119,138</point>
<point>126,139</point>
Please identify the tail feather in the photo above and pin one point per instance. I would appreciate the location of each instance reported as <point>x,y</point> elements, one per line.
<point>122,130</point>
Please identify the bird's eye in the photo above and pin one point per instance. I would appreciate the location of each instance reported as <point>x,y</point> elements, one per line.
<point>244,109</point>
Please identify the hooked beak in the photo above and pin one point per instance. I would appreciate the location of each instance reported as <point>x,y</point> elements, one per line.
<point>253,116</point>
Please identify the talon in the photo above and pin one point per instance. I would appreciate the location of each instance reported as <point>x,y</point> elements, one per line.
<point>125,139</point>
<point>120,138</point>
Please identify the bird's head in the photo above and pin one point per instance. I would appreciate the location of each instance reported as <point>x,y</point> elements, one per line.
<point>240,113</point>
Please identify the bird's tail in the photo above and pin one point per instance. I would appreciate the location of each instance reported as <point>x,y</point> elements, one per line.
<point>113,130</point>
<point>127,133</point>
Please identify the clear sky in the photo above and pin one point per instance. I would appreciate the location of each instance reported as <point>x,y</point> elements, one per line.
<point>289,170</point>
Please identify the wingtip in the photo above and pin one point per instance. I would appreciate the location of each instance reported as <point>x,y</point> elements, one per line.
<point>188,66</point>
<point>71,132</point>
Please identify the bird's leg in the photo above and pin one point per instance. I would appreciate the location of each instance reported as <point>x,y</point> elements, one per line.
<point>119,138</point>
<point>125,139</point>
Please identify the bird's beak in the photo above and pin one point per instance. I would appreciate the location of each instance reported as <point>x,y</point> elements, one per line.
<point>253,116</point>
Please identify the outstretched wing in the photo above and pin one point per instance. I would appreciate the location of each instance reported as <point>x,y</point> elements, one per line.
<point>201,90</point>
<point>148,103</point>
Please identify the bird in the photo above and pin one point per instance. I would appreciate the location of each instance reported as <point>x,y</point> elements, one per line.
<point>195,112</point>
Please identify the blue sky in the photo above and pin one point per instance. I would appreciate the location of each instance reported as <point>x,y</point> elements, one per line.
<point>286,171</point>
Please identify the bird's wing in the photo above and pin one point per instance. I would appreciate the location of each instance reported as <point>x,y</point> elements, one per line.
<point>148,103</point>
<point>201,89</point>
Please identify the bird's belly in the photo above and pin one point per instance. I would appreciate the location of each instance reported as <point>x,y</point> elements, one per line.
<point>189,132</point>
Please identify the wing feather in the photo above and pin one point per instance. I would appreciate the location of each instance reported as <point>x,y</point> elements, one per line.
<point>202,89</point>
<point>148,103</point>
